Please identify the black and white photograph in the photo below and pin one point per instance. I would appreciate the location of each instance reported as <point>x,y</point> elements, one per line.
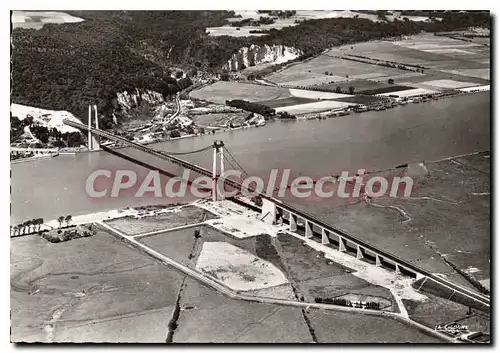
<point>250,176</point>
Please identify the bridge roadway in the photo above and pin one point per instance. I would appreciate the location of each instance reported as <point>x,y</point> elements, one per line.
<point>475,296</point>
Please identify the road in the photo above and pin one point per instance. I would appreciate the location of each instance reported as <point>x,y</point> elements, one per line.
<point>178,109</point>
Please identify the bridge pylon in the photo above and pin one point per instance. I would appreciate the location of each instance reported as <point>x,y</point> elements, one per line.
<point>93,141</point>
<point>218,150</point>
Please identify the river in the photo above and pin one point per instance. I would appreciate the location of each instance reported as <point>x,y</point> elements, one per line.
<point>372,141</point>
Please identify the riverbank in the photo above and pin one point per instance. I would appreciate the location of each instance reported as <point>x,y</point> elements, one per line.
<point>33,158</point>
<point>392,103</point>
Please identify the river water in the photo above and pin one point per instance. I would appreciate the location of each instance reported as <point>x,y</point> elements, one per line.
<point>371,141</point>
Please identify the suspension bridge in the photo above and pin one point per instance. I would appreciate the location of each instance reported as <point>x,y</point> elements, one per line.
<point>274,210</point>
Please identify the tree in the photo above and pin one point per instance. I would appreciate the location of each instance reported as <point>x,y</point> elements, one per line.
<point>390,81</point>
<point>75,139</point>
<point>68,219</point>
<point>26,227</point>
<point>36,223</point>
<point>59,144</point>
<point>175,133</point>
<point>257,200</point>
<point>338,89</point>
<point>30,224</point>
<point>351,89</point>
<point>381,15</point>
<point>60,220</point>
<point>28,120</point>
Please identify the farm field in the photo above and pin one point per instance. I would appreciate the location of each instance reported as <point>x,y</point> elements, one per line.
<point>284,291</point>
<point>449,84</point>
<point>314,81</point>
<point>458,62</point>
<point>418,81</point>
<point>186,215</point>
<point>340,69</point>
<point>409,92</point>
<point>175,244</point>
<point>427,50</point>
<point>36,19</point>
<point>218,119</point>
<point>437,311</point>
<point>221,91</point>
<point>317,94</point>
<point>210,317</point>
<point>345,328</point>
<point>321,106</point>
<point>387,89</point>
<point>475,89</point>
<point>365,99</point>
<point>287,102</point>
<point>313,275</point>
<point>359,85</point>
<point>84,289</point>
<point>237,268</point>
<point>483,74</point>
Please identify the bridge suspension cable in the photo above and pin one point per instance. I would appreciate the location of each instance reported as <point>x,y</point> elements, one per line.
<point>189,152</point>
<point>231,164</point>
<point>240,167</point>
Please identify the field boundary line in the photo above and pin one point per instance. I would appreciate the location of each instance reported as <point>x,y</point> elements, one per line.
<point>155,232</point>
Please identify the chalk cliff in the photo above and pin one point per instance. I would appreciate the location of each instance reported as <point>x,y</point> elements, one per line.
<point>134,98</point>
<point>260,54</point>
